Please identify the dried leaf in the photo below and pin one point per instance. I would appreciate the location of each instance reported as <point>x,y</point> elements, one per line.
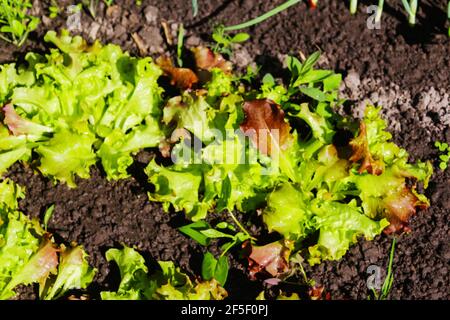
<point>182,78</point>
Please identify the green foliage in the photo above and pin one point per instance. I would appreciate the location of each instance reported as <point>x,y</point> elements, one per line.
<point>389,280</point>
<point>168,283</point>
<point>194,8</point>
<point>15,22</point>
<point>224,42</point>
<point>444,157</point>
<point>202,232</point>
<point>77,105</point>
<point>29,255</point>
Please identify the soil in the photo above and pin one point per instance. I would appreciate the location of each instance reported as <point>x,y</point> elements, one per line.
<point>407,70</point>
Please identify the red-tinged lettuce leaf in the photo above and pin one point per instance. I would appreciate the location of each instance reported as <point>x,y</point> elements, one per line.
<point>317,292</point>
<point>361,153</point>
<point>74,272</point>
<point>400,207</point>
<point>389,196</point>
<point>19,126</point>
<point>265,124</point>
<point>271,259</point>
<point>38,268</point>
<point>182,78</point>
<point>206,59</point>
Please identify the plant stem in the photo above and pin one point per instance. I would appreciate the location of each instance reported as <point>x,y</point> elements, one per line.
<point>411,8</point>
<point>412,14</point>
<point>263,17</point>
<point>353,6</point>
<point>379,11</point>
<point>240,225</point>
<point>180,41</point>
<point>387,285</point>
<point>194,8</point>
<point>448,16</point>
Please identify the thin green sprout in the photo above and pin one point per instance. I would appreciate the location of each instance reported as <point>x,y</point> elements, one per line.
<point>411,8</point>
<point>379,11</point>
<point>180,45</point>
<point>263,17</point>
<point>194,8</point>
<point>353,6</point>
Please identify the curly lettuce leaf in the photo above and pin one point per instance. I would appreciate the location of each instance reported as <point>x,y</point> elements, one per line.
<point>339,226</point>
<point>29,254</point>
<point>192,113</point>
<point>287,212</point>
<point>74,272</point>
<point>178,187</point>
<point>168,283</point>
<point>67,104</point>
<point>67,155</point>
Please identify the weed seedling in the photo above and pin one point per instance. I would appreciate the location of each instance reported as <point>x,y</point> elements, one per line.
<point>379,11</point>
<point>225,42</point>
<point>444,157</point>
<point>54,9</point>
<point>448,16</point>
<point>15,22</point>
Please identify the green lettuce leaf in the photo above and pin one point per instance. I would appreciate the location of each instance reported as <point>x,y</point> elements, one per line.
<point>168,283</point>
<point>69,103</point>
<point>339,226</point>
<point>74,272</point>
<point>29,255</point>
<point>67,154</point>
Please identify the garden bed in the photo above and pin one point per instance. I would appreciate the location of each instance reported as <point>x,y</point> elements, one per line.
<point>404,69</point>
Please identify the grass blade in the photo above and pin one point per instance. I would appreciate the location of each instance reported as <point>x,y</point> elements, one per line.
<point>194,8</point>
<point>263,17</point>
<point>387,285</point>
<point>180,42</point>
<point>353,6</point>
<point>379,11</point>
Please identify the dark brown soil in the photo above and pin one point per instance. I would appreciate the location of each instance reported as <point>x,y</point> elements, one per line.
<point>392,62</point>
